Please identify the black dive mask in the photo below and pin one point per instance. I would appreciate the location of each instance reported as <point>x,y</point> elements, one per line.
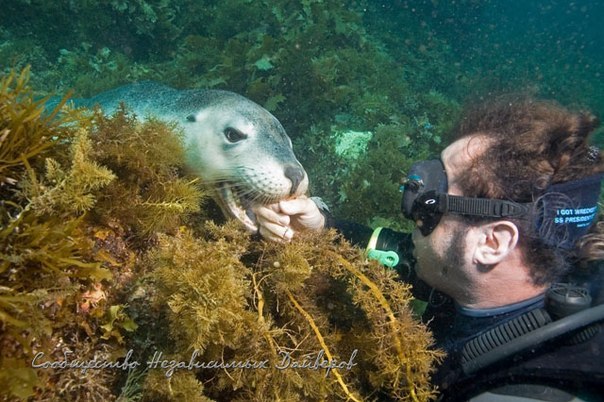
<point>425,181</point>
<point>562,215</point>
<point>425,199</point>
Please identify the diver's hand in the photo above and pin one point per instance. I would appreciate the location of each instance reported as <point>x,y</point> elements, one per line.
<point>304,213</point>
<point>279,221</point>
<point>272,223</point>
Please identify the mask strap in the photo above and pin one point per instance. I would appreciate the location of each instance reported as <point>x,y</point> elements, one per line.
<point>489,208</point>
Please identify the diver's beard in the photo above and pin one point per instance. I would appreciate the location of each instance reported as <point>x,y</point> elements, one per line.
<point>447,263</point>
<point>453,257</point>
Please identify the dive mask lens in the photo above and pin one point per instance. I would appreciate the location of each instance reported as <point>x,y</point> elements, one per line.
<point>421,189</point>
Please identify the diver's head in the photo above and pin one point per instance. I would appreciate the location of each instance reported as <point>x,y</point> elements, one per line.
<point>524,168</point>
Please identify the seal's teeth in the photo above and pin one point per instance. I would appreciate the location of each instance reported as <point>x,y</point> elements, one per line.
<point>231,206</point>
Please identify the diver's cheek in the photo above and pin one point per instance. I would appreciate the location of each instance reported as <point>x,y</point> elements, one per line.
<point>424,254</point>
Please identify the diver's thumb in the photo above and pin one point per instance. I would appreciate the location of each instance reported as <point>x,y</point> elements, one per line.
<point>298,206</point>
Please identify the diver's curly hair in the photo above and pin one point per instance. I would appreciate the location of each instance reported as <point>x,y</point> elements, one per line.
<point>533,144</point>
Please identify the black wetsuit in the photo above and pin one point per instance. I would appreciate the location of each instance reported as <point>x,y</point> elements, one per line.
<point>550,371</point>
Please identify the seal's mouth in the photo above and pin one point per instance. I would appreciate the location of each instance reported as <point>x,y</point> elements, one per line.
<point>237,206</point>
<point>236,198</point>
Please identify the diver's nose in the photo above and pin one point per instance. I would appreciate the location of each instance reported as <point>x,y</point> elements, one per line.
<point>296,175</point>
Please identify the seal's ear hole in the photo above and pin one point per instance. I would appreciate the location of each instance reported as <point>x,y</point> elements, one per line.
<point>191,117</point>
<point>234,135</point>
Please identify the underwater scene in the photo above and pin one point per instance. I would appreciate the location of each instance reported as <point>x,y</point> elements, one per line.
<point>130,264</point>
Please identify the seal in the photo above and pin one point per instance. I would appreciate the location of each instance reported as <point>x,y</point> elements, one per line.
<point>237,147</point>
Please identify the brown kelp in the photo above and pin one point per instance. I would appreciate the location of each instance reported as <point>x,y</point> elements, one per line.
<point>109,259</point>
<point>45,255</point>
<point>285,310</point>
<point>63,253</point>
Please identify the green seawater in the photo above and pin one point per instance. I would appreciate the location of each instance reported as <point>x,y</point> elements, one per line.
<point>364,88</point>
<point>401,70</point>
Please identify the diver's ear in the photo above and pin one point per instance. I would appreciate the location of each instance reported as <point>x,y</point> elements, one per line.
<point>495,242</point>
<point>191,118</point>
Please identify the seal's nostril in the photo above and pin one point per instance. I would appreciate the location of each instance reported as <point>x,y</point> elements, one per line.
<point>296,175</point>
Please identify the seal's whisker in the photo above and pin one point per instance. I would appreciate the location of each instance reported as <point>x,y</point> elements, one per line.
<point>245,193</point>
<point>263,198</point>
<point>250,194</point>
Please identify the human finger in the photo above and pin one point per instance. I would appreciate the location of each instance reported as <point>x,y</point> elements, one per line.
<point>275,232</point>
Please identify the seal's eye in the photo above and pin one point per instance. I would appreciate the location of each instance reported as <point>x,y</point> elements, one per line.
<point>234,135</point>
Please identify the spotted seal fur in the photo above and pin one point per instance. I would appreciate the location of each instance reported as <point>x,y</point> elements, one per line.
<point>236,146</point>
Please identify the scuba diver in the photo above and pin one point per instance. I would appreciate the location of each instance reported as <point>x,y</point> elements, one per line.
<point>505,252</point>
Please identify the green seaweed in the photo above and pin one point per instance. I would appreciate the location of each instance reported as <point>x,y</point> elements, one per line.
<point>45,256</point>
<point>117,320</point>
<point>66,257</point>
<point>182,386</point>
<point>147,158</point>
<point>70,192</point>
<point>232,300</point>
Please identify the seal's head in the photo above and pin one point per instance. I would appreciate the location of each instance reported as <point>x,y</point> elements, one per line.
<point>242,150</point>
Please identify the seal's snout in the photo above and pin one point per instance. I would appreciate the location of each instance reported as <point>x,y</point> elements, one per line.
<point>296,175</point>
